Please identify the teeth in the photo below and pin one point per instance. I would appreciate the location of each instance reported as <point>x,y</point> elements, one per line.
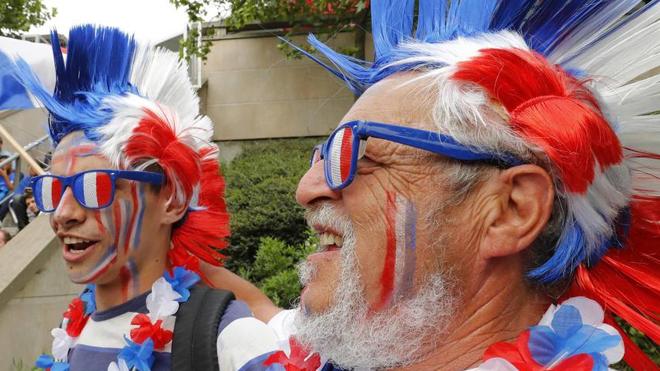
<point>330,239</point>
<point>73,240</point>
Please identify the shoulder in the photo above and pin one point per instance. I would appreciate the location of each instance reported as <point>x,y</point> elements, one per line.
<point>282,324</point>
<point>242,339</point>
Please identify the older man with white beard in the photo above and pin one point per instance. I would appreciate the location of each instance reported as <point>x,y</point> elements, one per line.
<point>482,176</point>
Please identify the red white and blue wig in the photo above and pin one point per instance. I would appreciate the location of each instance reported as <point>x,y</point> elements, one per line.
<point>567,85</point>
<point>137,103</point>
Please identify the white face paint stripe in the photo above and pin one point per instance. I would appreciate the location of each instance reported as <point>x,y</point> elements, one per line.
<point>335,157</point>
<point>47,193</point>
<point>89,188</point>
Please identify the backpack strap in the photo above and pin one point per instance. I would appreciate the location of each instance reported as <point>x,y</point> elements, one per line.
<point>196,329</point>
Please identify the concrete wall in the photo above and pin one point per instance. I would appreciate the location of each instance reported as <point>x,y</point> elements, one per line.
<point>254,92</point>
<point>34,292</point>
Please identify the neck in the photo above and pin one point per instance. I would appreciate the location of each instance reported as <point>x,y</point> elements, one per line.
<point>134,279</point>
<point>494,310</point>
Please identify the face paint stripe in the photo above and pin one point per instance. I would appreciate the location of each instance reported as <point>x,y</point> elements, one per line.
<point>134,212</point>
<point>125,227</point>
<point>138,227</point>
<point>400,234</point>
<point>132,266</point>
<point>125,279</point>
<point>387,276</point>
<point>101,267</point>
<point>99,223</point>
<point>408,279</point>
<point>116,213</point>
<point>89,189</point>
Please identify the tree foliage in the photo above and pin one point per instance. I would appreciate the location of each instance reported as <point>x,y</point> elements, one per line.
<point>323,17</point>
<point>18,16</point>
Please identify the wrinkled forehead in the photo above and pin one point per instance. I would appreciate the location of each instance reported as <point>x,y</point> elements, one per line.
<point>76,153</point>
<point>403,99</point>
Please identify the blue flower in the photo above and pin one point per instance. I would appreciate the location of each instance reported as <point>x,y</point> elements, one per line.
<point>139,356</point>
<point>568,336</point>
<point>46,361</point>
<point>181,281</point>
<point>89,297</point>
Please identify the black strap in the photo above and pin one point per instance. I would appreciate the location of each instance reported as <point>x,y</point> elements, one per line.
<point>196,329</point>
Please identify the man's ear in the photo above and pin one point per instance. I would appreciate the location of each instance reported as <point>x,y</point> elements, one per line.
<point>523,199</point>
<point>172,211</point>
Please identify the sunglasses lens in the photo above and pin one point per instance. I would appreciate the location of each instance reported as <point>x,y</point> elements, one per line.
<point>47,193</point>
<point>340,152</point>
<point>93,189</point>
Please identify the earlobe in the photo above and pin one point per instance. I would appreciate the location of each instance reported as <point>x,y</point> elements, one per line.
<point>525,197</point>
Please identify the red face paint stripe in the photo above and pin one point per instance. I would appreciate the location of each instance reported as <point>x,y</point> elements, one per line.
<point>346,151</point>
<point>99,222</point>
<point>387,277</point>
<point>125,279</point>
<point>116,213</point>
<point>103,188</point>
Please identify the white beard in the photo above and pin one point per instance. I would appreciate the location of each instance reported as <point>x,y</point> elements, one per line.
<point>350,336</point>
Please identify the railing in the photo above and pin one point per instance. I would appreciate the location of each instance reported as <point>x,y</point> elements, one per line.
<point>16,157</point>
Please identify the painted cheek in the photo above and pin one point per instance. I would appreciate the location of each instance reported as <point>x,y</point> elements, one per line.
<point>128,275</point>
<point>397,277</point>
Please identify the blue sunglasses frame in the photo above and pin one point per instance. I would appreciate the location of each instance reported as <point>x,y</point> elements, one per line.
<point>426,140</point>
<point>79,195</point>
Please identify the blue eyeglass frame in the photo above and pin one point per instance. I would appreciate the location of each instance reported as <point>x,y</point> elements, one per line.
<point>426,140</point>
<point>79,194</point>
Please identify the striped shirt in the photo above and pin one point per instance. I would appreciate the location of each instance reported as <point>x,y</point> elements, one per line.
<point>103,338</point>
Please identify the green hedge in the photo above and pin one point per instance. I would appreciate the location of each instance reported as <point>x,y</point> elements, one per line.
<point>261,185</point>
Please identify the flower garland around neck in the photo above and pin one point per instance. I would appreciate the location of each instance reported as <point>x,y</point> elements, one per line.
<point>163,301</point>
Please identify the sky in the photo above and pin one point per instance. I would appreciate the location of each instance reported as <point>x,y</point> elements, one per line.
<point>151,20</point>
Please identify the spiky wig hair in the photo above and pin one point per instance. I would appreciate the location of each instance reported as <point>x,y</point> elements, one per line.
<point>137,103</point>
<point>563,84</point>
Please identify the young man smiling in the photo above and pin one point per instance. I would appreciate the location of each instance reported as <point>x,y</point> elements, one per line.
<point>136,199</point>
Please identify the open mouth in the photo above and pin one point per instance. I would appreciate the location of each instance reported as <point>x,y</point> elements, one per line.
<point>77,246</point>
<point>329,241</point>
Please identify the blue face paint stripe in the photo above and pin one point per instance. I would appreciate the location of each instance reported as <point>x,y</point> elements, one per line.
<point>132,268</point>
<point>410,260</point>
<point>137,230</point>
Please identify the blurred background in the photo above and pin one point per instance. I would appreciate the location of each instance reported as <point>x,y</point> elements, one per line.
<point>269,107</point>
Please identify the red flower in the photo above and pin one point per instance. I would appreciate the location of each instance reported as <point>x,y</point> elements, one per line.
<point>76,316</point>
<point>518,354</point>
<point>147,330</point>
<point>300,359</point>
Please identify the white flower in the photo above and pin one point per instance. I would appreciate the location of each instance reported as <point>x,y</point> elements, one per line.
<point>62,342</point>
<point>122,366</point>
<point>161,302</point>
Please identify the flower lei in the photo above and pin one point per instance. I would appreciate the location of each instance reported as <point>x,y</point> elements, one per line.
<point>570,336</point>
<point>163,301</point>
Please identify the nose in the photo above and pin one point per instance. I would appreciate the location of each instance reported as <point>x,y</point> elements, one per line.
<point>68,212</point>
<point>313,187</point>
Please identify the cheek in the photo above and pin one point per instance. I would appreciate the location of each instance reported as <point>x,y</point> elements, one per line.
<point>389,275</point>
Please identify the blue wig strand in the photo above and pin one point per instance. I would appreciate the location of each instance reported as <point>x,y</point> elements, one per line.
<point>543,25</point>
<point>569,253</point>
<point>431,20</point>
<point>98,65</point>
<point>469,17</point>
<point>391,24</point>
